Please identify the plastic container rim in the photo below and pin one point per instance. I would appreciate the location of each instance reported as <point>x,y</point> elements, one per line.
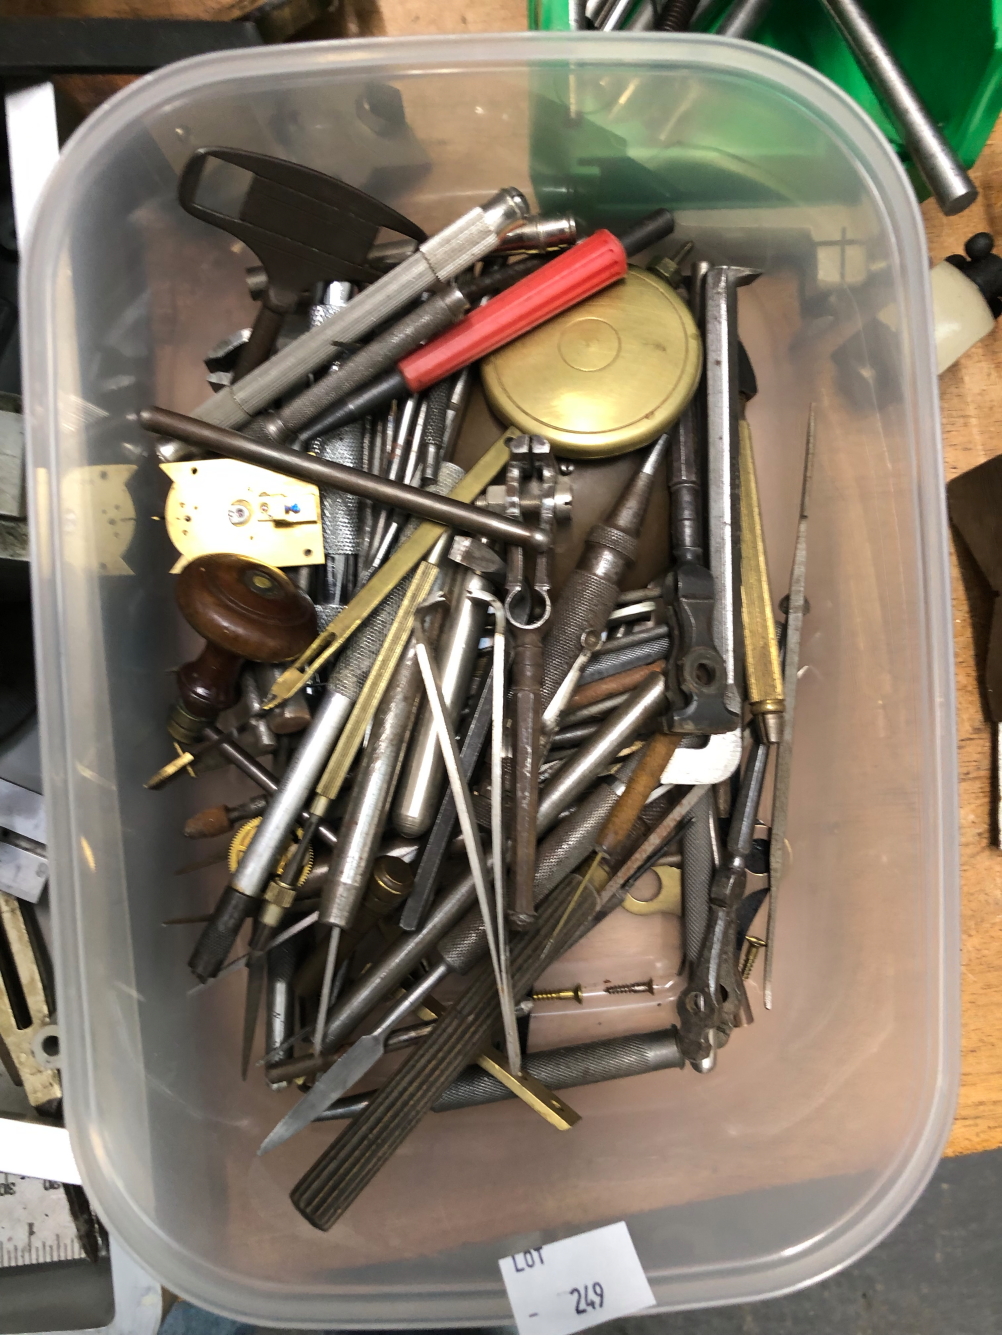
<point>390,57</point>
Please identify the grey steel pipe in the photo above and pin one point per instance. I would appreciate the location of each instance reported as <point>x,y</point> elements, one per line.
<point>412,500</point>
<point>559,1068</point>
<point>567,845</point>
<point>438,259</point>
<point>938,165</point>
<point>743,18</point>
<point>629,652</point>
<point>280,1000</point>
<point>364,819</point>
<point>641,706</point>
<point>420,789</point>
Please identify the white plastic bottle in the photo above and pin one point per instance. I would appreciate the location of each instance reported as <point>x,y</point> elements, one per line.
<point>966,298</point>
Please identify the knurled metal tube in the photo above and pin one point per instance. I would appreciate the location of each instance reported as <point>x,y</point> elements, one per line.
<point>629,652</point>
<point>329,1187</point>
<point>560,1068</point>
<point>589,596</point>
<point>439,258</point>
<point>641,707</point>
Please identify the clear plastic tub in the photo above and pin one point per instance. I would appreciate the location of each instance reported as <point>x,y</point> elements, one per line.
<point>824,1120</point>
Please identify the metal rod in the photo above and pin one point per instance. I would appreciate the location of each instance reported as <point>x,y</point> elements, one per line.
<point>795,607</point>
<point>938,164</point>
<point>413,500</point>
<point>743,18</point>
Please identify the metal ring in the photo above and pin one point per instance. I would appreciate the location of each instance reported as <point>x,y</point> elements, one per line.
<point>517,622</point>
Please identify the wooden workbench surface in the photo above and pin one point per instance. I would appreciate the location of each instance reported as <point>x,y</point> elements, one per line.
<point>971,403</point>
<point>971,395</point>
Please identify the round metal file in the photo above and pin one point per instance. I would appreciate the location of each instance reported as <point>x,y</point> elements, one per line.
<point>604,377</point>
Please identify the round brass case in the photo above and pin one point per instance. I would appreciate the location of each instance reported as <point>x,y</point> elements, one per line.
<point>606,376</point>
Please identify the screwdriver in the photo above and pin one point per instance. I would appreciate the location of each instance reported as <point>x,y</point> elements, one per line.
<point>578,273</point>
<point>431,317</point>
<point>450,251</point>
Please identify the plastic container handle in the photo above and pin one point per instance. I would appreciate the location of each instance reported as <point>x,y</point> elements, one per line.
<point>584,269</point>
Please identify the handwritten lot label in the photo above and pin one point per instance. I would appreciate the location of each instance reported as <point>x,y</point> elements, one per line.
<point>576,1283</point>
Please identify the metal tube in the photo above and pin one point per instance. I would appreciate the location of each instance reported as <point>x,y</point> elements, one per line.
<point>559,1068</point>
<point>940,168</point>
<point>590,593</point>
<point>421,779</point>
<point>280,1003</point>
<point>299,780</point>
<point>642,706</point>
<point>440,509</point>
<point>364,819</point>
<point>743,18</point>
<point>438,259</point>
<point>722,460</point>
<point>431,318</point>
<point>616,656</point>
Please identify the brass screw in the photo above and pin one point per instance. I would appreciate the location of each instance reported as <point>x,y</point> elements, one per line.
<point>753,944</point>
<point>621,989</point>
<point>561,994</point>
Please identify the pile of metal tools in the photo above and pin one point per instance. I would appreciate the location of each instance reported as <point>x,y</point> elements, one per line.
<point>459,763</point>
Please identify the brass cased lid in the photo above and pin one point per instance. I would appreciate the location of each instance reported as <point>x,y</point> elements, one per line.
<point>604,377</point>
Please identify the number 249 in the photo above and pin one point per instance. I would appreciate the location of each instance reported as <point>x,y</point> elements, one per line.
<point>590,1298</point>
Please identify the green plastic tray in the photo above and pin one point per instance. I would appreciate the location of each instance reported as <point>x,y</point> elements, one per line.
<point>952,54</point>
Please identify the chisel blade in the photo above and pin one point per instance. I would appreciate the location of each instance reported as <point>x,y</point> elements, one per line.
<point>333,1084</point>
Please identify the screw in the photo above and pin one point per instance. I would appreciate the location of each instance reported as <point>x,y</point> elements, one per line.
<point>753,944</point>
<point>621,989</point>
<point>561,994</point>
<point>238,513</point>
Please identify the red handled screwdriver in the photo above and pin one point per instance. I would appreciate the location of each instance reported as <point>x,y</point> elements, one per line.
<point>554,287</point>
